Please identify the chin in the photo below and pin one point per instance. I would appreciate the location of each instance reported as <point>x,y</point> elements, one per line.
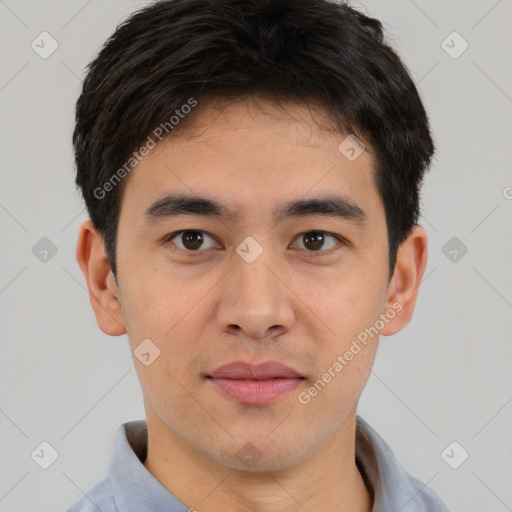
<point>258,456</point>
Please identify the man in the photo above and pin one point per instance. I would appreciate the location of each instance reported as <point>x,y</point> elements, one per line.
<point>252,172</point>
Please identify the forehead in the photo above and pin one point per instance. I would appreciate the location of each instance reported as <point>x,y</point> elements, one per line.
<point>250,155</point>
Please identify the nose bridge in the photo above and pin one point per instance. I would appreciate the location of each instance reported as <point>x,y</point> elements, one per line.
<point>256,298</point>
<point>256,283</point>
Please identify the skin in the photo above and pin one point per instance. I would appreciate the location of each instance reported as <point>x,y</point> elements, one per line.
<point>294,305</point>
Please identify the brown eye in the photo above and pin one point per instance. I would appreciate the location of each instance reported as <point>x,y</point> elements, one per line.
<point>314,240</point>
<point>190,240</point>
<point>318,241</point>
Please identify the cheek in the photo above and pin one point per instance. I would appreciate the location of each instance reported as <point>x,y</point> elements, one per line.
<point>345,304</point>
<point>343,375</point>
<point>169,394</point>
<point>173,317</point>
<point>155,304</point>
<point>350,309</point>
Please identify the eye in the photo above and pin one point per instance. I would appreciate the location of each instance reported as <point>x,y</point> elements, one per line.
<point>190,240</point>
<point>314,241</point>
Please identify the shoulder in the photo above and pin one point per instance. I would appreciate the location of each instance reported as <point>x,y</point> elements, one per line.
<point>423,498</point>
<point>393,487</point>
<point>100,497</point>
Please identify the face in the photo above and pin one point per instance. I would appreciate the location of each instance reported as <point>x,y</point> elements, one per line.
<point>244,284</point>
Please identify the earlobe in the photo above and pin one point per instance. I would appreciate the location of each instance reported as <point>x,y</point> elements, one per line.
<point>404,287</point>
<point>103,291</point>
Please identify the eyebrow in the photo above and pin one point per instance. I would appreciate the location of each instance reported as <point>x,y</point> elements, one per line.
<point>335,206</point>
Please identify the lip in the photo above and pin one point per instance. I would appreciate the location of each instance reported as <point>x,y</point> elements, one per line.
<point>255,384</point>
<point>241,370</point>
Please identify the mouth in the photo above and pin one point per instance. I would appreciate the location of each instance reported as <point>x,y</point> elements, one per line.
<point>258,380</point>
<point>241,370</point>
<point>256,392</point>
<point>255,384</point>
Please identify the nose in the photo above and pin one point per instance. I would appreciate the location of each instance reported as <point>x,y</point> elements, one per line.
<point>255,299</point>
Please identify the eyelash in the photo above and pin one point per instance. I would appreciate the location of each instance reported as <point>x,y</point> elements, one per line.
<point>340,239</point>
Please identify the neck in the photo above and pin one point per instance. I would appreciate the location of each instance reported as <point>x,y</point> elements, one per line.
<point>328,480</point>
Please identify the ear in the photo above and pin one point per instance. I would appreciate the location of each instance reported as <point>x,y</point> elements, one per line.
<point>404,286</point>
<point>103,291</point>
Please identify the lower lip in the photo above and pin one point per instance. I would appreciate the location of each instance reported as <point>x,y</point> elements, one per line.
<point>256,392</point>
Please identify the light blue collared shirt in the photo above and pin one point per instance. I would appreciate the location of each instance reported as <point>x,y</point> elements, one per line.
<point>130,487</point>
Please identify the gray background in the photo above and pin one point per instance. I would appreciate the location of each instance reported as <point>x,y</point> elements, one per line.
<point>446,377</point>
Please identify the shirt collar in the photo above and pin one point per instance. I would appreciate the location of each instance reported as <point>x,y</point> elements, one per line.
<point>136,489</point>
